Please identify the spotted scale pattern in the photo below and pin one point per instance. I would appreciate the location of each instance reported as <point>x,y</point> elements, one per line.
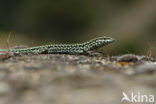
<point>81,48</point>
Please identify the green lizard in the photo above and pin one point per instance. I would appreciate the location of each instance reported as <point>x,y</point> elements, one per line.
<point>82,48</point>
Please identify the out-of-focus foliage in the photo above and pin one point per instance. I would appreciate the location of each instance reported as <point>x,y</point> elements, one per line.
<point>131,22</point>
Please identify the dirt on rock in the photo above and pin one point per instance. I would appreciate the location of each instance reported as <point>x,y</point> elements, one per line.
<point>74,79</point>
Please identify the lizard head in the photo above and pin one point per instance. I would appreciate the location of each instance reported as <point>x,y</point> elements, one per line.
<point>100,42</point>
<point>104,40</point>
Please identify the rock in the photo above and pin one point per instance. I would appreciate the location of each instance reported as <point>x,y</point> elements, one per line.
<point>74,79</point>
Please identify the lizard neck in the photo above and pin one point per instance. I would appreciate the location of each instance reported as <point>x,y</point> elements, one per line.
<point>92,45</point>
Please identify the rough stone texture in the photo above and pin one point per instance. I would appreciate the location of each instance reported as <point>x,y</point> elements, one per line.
<point>74,79</point>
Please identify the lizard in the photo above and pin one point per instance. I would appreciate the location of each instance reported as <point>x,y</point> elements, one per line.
<point>81,48</point>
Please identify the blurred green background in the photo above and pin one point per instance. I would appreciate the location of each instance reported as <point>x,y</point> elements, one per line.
<point>35,22</point>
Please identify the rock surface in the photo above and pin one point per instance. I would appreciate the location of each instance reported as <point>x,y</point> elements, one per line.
<point>74,79</point>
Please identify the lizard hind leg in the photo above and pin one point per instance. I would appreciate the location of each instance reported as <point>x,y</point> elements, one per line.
<point>43,51</point>
<point>40,50</point>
